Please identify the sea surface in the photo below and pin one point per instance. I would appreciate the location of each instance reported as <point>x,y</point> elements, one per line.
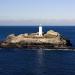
<point>40,61</point>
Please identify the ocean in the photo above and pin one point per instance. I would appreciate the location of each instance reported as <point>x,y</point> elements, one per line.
<point>37,62</point>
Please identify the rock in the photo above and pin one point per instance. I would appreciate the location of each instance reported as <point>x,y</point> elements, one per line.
<point>10,36</point>
<point>26,34</point>
<point>51,39</point>
<point>51,32</point>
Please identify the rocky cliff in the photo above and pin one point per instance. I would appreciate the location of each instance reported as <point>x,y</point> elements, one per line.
<point>50,39</point>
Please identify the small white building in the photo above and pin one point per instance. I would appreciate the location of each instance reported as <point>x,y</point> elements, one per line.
<point>40,30</point>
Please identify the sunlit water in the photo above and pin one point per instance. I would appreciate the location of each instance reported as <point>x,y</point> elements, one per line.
<point>36,62</point>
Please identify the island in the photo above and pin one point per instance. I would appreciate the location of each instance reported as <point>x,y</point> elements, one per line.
<point>50,40</point>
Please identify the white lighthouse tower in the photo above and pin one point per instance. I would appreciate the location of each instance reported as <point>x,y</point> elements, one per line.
<point>40,30</point>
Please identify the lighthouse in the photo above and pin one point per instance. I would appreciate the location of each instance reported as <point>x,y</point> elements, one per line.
<point>40,30</point>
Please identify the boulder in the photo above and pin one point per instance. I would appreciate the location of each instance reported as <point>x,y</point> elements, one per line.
<point>51,32</point>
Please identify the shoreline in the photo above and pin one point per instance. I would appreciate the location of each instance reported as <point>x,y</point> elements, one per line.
<point>43,49</point>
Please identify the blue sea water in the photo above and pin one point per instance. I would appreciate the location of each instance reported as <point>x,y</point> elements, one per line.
<point>37,62</point>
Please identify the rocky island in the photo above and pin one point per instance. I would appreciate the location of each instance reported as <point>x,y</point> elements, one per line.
<point>49,40</point>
